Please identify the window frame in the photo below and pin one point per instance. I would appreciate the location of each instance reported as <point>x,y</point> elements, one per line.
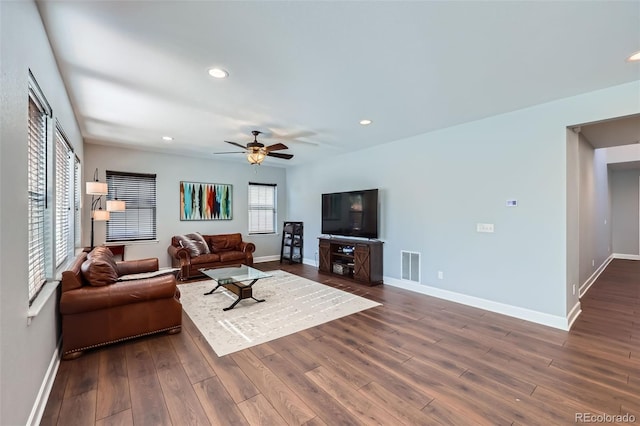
<point>38,255</point>
<point>125,226</point>
<point>65,193</point>
<point>254,206</point>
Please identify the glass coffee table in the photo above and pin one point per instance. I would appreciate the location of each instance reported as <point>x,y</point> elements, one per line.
<point>238,280</point>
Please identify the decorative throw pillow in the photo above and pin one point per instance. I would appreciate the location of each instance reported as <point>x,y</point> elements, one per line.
<point>200,242</point>
<point>99,251</point>
<point>99,272</point>
<point>189,244</point>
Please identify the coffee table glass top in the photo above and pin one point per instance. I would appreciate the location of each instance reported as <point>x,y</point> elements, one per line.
<point>236,274</point>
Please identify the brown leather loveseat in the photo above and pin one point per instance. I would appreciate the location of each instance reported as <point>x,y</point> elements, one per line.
<point>103,303</point>
<point>192,252</point>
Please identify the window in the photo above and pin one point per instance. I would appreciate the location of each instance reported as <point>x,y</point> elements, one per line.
<point>138,221</point>
<point>262,208</point>
<point>37,187</point>
<point>64,192</point>
<point>77,201</point>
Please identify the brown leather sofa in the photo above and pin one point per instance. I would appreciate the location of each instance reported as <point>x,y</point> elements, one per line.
<point>192,252</point>
<point>97,308</point>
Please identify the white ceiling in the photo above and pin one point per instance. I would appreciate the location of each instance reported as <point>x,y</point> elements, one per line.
<point>306,72</point>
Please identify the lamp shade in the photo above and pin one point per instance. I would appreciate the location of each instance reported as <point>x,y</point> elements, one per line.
<point>256,156</point>
<point>100,215</point>
<point>97,188</point>
<point>116,206</point>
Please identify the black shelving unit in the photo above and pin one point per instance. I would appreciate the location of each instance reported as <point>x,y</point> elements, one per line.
<point>292,242</point>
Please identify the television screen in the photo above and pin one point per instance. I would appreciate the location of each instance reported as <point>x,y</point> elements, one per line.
<point>351,214</point>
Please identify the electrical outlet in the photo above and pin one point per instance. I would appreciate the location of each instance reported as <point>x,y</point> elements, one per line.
<point>574,289</point>
<point>593,262</point>
<point>440,275</point>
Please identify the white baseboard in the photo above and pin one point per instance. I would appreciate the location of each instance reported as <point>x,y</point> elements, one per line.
<point>262,259</point>
<point>45,389</point>
<point>574,314</point>
<point>587,284</point>
<point>626,256</point>
<point>488,305</point>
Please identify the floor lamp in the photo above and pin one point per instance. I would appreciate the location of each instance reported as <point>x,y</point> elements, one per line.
<point>97,190</point>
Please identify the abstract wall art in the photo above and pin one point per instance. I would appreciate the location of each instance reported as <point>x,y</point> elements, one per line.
<point>205,201</point>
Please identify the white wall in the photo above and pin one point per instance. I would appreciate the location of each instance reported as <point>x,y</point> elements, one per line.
<point>595,215</point>
<point>435,187</point>
<point>625,215</point>
<point>170,170</point>
<point>624,181</point>
<point>27,352</point>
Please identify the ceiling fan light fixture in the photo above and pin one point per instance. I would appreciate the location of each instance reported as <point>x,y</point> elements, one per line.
<point>167,138</point>
<point>218,73</point>
<point>365,122</point>
<point>634,57</point>
<point>256,156</point>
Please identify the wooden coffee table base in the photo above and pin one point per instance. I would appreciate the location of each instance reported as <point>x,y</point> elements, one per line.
<point>243,291</point>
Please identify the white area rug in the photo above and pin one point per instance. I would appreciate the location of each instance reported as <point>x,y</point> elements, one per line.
<point>292,304</point>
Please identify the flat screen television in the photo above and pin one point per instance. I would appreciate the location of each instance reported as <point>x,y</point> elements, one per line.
<point>351,214</point>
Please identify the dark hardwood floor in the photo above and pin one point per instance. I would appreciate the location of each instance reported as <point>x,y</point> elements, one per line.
<point>415,360</point>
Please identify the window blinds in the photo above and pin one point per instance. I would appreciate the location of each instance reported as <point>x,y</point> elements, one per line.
<point>262,208</point>
<point>77,201</point>
<point>138,221</point>
<point>64,214</point>
<point>36,189</point>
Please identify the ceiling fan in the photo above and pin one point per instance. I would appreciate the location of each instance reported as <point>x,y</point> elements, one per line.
<point>256,151</point>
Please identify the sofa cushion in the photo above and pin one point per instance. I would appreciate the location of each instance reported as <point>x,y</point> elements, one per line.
<point>222,243</point>
<point>200,242</point>
<point>195,248</point>
<point>205,258</point>
<point>230,256</point>
<point>99,271</point>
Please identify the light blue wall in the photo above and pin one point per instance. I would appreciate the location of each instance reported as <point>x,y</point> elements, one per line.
<point>435,187</point>
<point>170,169</point>
<point>26,351</point>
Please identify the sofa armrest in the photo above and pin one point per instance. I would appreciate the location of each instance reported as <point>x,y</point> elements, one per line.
<point>179,253</point>
<point>247,247</point>
<point>128,267</point>
<point>89,298</point>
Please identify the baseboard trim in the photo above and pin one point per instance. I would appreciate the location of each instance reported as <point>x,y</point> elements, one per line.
<point>263,259</point>
<point>626,256</point>
<point>592,279</point>
<point>574,314</point>
<point>35,417</point>
<point>488,305</point>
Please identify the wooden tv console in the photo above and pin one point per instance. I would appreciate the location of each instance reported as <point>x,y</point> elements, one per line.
<point>360,260</point>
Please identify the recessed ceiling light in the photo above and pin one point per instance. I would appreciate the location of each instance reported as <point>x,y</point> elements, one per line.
<point>218,73</point>
<point>365,122</point>
<point>634,57</point>
<point>167,138</point>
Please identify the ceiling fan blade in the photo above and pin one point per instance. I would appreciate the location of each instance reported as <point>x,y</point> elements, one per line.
<point>237,144</point>
<point>276,147</point>
<point>279,155</point>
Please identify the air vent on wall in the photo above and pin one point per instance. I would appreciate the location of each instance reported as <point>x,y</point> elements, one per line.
<point>410,265</point>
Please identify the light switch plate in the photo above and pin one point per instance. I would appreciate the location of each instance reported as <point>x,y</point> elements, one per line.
<point>484,227</point>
